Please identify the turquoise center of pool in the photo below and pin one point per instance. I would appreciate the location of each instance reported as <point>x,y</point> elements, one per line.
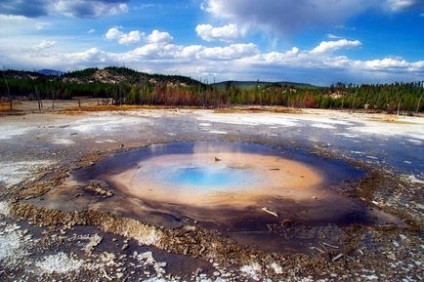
<point>210,177</point>
<point>196,176</point>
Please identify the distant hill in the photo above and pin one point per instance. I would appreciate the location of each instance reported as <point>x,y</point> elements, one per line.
<point>263,84</point>
<point>122,84</point>
<point>108,75</point>
<point>50,72</point>
<point>117,75</point>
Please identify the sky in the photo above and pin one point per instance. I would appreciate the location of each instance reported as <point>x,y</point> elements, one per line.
<point>313,41</point>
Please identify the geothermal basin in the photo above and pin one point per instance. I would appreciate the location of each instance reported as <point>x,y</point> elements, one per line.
<point>234,184</point>
<point>254,194</point>
<point>261,196</point>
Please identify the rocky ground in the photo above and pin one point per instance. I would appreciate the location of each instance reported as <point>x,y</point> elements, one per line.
<point>92,241</point>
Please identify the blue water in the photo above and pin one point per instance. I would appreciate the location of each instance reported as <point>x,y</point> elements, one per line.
<point>209,177</point>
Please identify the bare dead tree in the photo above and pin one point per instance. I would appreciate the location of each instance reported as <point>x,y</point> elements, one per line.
<point>216,94</point>
<point>259,91</point>
<point>421,97</point>
<point>53,97</point>
<point>8,92</point>
<point>40,102</point>
<point>204,93</point>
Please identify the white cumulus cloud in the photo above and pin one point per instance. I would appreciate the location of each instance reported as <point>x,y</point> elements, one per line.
<point>229,32</point>
<point>231,52</point>
<point>90,55</point>
<point>131,37</point>
<point>159,37</point>
<point>114,34</point>
<point>135,36</point>
<point>386,64</point>
<point>331,46</point>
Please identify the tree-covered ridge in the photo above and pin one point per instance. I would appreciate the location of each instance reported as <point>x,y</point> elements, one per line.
<point>125,75</point>
<point>111,82</point>
<point>127,86</point>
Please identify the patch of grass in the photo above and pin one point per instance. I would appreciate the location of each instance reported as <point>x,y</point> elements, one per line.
<point>389,119</point>
<point>5,109</point>
<point>258,109</point>
<point>105,108</point>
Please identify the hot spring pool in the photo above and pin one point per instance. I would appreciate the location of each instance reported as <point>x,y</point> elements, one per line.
<point>276,198</point>
<point>210,174</point>
<point>238,188</point>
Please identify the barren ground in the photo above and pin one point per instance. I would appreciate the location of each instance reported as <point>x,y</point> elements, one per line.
<point>97,233</point>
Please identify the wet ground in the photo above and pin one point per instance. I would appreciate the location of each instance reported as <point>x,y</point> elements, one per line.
<point>363,221</point>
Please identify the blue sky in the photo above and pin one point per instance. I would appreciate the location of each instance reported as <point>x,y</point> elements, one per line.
<point>315,41</point>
